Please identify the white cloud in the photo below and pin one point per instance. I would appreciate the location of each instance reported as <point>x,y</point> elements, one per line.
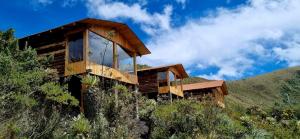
<point>150,22</point>
<point>290,53</point>
<point>231,40</point>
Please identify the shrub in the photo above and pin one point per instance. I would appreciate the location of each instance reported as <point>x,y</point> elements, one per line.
<point>80,126</point>
<point>257,111</point>
<point>30,97</point>
<point>271,120</point>
<point>90,80</point>
<point>247,122</point>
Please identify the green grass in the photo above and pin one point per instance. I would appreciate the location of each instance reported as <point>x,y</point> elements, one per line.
<point>263,90</point>
<point>193,80</point>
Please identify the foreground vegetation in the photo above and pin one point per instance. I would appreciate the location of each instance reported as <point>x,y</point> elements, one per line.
<point>33,104</point>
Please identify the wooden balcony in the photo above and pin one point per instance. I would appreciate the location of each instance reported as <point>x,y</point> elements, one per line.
<point>112,73</point>
<point>171,89</point>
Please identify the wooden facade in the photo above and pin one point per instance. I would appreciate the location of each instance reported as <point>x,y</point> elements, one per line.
<point>214,90</point>
<point>90,46</point>
<point>164,81</point>
<point>57,41</point>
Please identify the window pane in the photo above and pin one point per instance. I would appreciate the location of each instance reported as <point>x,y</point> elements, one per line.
<point>172,76</point>
<point>162,75</point>
<point>100,50</point>
<point>125,61</point>
<point>76,47</point>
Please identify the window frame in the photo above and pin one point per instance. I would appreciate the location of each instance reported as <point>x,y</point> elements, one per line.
<point>69,46</point>
<point>117,45</point>
<point>89,47</point>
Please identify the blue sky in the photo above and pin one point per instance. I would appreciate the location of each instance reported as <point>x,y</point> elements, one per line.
<point>216,39</point>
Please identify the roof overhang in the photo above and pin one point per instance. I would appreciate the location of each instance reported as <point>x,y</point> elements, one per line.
<point>179,67</point>
<point>123,29</point>
<point>207,85</point>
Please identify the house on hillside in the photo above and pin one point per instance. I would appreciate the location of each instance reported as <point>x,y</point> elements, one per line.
<point>90,46</point>
<point>164,82</point>
<point>216,90</point>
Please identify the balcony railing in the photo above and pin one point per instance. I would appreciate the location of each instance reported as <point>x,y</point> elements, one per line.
<point>112,73</point>
<point>171,89</point>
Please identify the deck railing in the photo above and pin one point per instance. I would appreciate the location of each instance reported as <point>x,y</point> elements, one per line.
<point>176,90</point>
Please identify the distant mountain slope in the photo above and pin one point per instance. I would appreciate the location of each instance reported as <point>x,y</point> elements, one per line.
<point>263,90</point>
<point>193,80</point>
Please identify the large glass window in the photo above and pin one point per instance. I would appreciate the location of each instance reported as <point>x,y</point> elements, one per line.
<point>172,78</point>
<point>75,43</point>
<point>100,50</point>
<point>162,78</point>
<point>125,61</point>
<point>162,75</point>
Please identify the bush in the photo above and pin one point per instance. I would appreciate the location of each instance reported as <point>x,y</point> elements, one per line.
<point>80,126</point>
<point>30,98</point>
<point>191,119</point>
<point>257,111</point>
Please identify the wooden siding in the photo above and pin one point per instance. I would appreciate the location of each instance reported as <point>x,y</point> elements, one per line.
<point>148,82</point>
<point>112,73</point>
<point>80,66</point>
<point>219,97</point>
<point>173,89</point>
<point>57,45</point>
<point>58,34</point>
<point>215,94</point>
<point>58,52</point>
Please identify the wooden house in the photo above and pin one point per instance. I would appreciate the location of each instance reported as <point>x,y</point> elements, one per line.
<point>215,90</point>
<point>90,46</point>
<point>164,81</point>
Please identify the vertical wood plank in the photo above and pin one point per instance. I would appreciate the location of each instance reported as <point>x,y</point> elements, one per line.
<point>135,64</point>
<point>115,56</point>
<point>66,55</point>
<point>168,80</point>
<point>86,48</point>
<point>181,84</point>
<point>83,90</point>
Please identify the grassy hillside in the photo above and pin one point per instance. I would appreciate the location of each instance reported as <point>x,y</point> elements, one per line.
<point>193,80</point>
<point>263,90</point>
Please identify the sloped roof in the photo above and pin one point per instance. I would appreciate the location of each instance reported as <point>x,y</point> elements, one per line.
<point>206,85</point>
<point>120,27</point>
<point>178,67</point>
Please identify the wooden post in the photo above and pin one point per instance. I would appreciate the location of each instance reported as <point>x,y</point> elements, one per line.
<point>116,92</point>
<point>26,44</point>
<point>83,90</point>
<point>175,78</point>
<point>115,56</point>
<point>134,64</point>
<point>66,57</point>
<point>115,66</point>
<point>85,47</point>
<point>136,101</point>
<point>168,81</point>
<point>181,84</point>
